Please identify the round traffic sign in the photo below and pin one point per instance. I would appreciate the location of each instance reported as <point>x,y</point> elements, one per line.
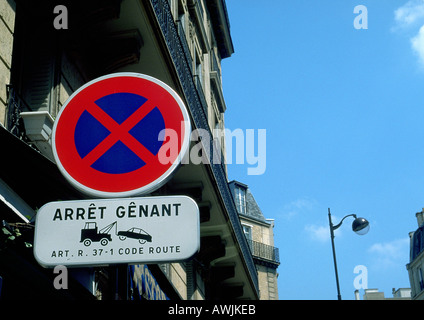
<point>121,135</point>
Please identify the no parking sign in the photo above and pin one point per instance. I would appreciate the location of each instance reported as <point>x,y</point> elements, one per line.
<point>108,136</point>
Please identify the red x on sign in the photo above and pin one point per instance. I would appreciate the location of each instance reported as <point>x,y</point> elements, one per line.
<point>118,132</point>
<point>108,136</point>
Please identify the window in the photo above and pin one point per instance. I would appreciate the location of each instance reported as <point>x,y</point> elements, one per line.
<point>418,243</point>
<point>241,200</point>
<point>247,232</point>
<point>35,62</point>
<point>181,16</point>
<point>198,66</point>
<point>420,278</point>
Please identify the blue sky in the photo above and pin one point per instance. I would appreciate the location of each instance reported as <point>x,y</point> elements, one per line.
<point>343,111</point>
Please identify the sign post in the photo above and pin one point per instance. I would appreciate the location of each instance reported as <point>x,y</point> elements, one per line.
<point>102,232</point>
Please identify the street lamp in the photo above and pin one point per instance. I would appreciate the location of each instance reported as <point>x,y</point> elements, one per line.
<point>360,226</point>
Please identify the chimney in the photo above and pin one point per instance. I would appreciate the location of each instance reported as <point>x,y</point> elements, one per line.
<point>420,218</point>
<point>357,297</point>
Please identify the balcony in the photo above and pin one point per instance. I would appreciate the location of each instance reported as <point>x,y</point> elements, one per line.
<point>264,252</point>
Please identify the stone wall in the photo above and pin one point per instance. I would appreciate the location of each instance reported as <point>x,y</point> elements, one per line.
<point>7,27</point>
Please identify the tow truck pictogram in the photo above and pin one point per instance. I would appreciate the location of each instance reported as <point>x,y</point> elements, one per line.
<point>90,234</point>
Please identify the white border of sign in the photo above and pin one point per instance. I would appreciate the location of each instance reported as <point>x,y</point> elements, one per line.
<point>149,187</point>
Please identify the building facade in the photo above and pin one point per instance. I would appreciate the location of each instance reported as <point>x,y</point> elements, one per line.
<point>259,233</point>
<point>51,48</point>
<point>415,266</point>
<point>374,294</point>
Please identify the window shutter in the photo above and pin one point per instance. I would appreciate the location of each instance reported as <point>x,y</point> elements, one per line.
<point>38,80</point>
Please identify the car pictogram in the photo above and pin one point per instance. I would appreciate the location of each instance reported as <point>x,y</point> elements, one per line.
<point>135,233</point>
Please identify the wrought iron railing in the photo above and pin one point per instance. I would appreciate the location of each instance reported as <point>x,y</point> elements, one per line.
<point>198,109</point>
<point>15,105</point>
<point>264,251</point>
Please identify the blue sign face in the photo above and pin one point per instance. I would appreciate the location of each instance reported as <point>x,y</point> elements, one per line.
<point>109,129</point>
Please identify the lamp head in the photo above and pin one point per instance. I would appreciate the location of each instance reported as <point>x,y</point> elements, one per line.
<point>360,226</point>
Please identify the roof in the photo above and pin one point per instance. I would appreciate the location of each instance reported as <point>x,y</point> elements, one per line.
<point>252,207</point>
<point>221,27</point>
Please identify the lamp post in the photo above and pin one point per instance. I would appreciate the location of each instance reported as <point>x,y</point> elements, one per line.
<point>360,226</point>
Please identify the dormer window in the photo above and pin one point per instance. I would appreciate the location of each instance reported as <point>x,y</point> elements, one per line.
<point>240,199</point>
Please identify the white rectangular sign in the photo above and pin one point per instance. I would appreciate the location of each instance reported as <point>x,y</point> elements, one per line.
<point>130,230</point>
